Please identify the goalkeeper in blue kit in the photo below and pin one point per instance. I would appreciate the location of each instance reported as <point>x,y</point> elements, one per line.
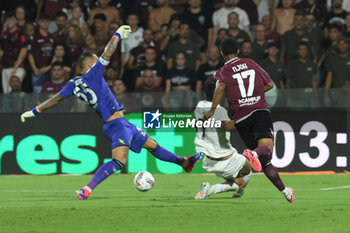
<point>93,90</point>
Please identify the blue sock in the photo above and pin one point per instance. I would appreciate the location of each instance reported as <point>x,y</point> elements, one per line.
<point>104,171</point>
<point>165,155</point>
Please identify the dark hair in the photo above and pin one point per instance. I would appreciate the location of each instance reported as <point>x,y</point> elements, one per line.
<point>302,43</point>
<point>83,57</point>
<point>335,26</point>
<point>210,85</point>
<point>229,46</point>
<point>221,29</point>
<point>44,17</point>
<point>56,63</point>
<point>10,15</point>
<point>151,47</point>
<point>180,52</point>
<point>233,13</point>
<point>25,11</point>
<point>101,16</point>
<point>61,13</point>
<point>246,41</point>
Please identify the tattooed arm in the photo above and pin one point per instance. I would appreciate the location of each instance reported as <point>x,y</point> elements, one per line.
<point>110,48</point>
<point>43,106</point>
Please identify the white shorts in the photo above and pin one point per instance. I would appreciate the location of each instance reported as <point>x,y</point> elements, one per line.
<point>228,168</point>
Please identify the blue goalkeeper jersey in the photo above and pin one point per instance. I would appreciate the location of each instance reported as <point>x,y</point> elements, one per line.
<point>93,90</point>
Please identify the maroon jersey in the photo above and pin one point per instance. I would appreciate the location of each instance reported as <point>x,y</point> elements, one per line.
<point>11,44</point>
<point>245,81</point>
<point>51,87</point>
<point>41,49</point>
<point>74,50</point>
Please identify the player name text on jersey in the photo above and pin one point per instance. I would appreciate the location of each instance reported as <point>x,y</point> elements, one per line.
<point>240,67</point>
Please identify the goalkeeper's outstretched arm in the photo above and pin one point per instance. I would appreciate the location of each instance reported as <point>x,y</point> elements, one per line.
<point>41,107</point>
<point>110,48</point>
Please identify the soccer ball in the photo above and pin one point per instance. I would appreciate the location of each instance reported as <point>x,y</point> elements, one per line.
<point>143,181</point>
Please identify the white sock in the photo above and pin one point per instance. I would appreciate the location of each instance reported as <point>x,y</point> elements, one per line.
<point>222,187</point>
<point>254,153</point>
<point>286,191</point>
<point>88,188</point>
<point>247,178</point>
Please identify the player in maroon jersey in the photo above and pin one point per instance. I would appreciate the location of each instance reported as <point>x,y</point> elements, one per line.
<point>245,84</point>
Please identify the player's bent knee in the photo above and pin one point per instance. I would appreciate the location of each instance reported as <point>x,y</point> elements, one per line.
<point>246,169</point>
<point>150,144</point>
<point>268,142</point>
<point>120,153</point>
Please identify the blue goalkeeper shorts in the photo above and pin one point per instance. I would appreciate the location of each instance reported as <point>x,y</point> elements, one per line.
<point>122,133</point>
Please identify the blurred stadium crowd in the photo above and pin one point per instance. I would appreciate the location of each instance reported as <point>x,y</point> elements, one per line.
<point>173,47</point>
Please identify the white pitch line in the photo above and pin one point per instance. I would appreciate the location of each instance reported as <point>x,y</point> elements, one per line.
<point>341,187</point>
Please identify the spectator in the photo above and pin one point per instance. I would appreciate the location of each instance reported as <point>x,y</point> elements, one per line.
<point>191,49</point>
<point>180,77</point>
<point>263,8</point>
<point>57,79</point>
<point>99,30</point>
<point>301,72</point>
<point>220,17</point>
<point>234,31</point>
<point>347,26</point>
<point>111,73</point>
<point>179,81</point>
<point>59,55</point>
<point>273,65</point>
<point>170,33</point>
<point>111,13</point>
<point>260,43</point>
<point>150,64</point>
<point>91,45</point>
<point>133,40</point>
<point>318,8</point>
<point>148,82</point>
<point>15,85</point>
<point>199,20</point>
<point>221,35</point>
<point>62,28</point>
<point>75,43</point>
<point>51,8</point>
<point>137,54</point>
<point>284,17</point>
<point>292,37</point>
<point>29,31</point>
<point>334,33</point>
<point>246,51</point>
<point>316,36</point>
<point>209,68</point>
<point>270,34</point>
<point>337,14</point>
<point>40,53</point>
<point>251,8</point>
<point>77,18</point>
<point>12,102</point>
<point>13,48</point>
<point>21,16</point>
<point>338,66</point>
<point>120,92</point>
<point>160,15</point>
<point>142,8</point>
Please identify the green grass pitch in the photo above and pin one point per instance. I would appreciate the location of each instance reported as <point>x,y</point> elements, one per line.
<point>48,204</point>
